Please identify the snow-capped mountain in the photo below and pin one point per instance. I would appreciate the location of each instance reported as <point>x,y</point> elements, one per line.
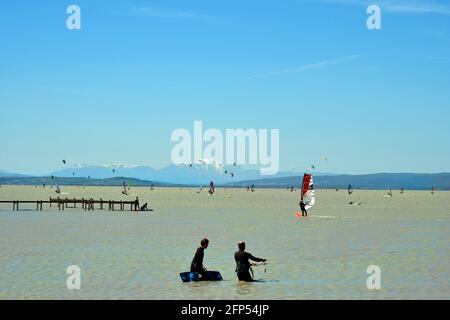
<point>183,174</point>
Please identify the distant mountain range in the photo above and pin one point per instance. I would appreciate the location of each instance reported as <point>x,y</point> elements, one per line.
<point>9,174</point>
<point>197,174</point>
<point>113,175</point>
<point>118,182</point>
<point>411,181</point>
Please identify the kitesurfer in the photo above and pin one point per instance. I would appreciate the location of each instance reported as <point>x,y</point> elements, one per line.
<point>197,262</point>
<point>243,266</point>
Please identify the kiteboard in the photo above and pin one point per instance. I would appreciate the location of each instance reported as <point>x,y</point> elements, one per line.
<point>194,276</point>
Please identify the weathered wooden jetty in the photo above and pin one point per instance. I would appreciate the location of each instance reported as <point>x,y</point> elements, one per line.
<point>85,204</point>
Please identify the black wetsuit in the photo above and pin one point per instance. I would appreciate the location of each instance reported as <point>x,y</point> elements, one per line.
<point>197,262</point>
<point>302,207</point>
<point>243,265</point>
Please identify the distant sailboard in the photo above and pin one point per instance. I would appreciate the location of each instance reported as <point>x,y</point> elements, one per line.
<point>307,194</point>
<point>389,193</point>
<point>124,191</point>
<point>58,190</point>
<point>211,188</point>
<point>349,189</point>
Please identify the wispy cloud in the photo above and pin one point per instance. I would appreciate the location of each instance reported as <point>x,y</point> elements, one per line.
<point>152,12</point>
<point>400,6</point>
<point>317,65</point>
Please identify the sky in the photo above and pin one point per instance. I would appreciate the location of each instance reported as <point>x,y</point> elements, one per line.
<point>114,91</point>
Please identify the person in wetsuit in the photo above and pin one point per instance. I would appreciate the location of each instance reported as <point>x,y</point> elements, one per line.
<point>136,204</point>
<point>243,264</point>
<point>197,262</point>
<point>303,208</point>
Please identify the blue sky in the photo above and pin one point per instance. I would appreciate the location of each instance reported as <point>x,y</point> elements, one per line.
<point>113,92</point>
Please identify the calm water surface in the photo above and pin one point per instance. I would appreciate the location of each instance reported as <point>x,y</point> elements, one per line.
<point>139,256</point>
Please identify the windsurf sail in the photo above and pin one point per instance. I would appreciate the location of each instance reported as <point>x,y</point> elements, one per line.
<point>125,192</point>
<point>390,193</point>
<point>211,188</point>
<point>307,191</point>
<point>349,189</point>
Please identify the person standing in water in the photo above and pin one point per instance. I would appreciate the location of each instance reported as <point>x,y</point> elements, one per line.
<point>243,265</point>
<point>197,262</point>
<point>303,208</point>
<point>136,204</point>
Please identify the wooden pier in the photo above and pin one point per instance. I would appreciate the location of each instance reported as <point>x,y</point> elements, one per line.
<point>85,204</point>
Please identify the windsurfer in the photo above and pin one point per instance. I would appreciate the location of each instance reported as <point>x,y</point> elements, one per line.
<point>303,208</point>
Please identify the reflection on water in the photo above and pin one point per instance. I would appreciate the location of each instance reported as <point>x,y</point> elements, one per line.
<point>125,255</point>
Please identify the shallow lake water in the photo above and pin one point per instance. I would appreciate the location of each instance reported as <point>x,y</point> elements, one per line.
<point>128,255</point>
